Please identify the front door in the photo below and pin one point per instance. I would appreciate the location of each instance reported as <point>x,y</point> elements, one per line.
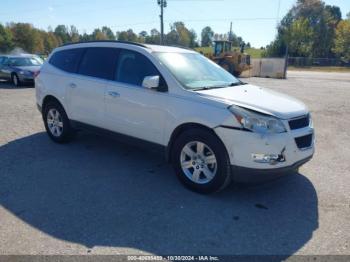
<point>130,108</point>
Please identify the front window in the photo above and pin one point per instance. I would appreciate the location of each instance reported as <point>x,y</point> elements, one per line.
<point>133,67</point>
<point>25,61</point>
<point>194,71</point>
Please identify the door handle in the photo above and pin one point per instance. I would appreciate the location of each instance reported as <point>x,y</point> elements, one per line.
<point>72,85</point>
<point>113,94</point>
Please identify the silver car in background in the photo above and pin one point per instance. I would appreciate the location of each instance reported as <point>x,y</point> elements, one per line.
<point>20,69</point>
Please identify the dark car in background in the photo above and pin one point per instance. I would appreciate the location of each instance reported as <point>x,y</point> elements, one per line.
<point>20,69</point>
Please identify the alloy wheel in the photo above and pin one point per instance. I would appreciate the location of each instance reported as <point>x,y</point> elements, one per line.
<point>55,122</point>
<point>198,162</point>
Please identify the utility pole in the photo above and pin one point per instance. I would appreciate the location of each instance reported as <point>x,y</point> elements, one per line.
<point>230,36</point>
<point>162,4</point>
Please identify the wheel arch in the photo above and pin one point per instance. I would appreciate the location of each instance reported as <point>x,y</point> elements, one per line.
<point>182,128</point>
<point>50,98</point>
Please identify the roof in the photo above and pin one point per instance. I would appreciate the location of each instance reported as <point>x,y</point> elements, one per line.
<point>172,49</point>
<point>154,48</point>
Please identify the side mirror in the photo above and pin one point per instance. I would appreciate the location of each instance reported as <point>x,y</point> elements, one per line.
<point>151,82</point>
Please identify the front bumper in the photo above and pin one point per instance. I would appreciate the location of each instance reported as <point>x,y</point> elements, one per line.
<point>26,78</point>
<point>251,175</point>
<point>242,146</point>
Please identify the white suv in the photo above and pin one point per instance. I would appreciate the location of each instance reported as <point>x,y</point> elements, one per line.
<point>212,127</point>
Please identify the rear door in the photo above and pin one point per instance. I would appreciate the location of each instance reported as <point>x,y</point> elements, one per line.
<point>87,89</point>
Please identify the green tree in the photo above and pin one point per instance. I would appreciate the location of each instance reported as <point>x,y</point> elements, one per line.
<point>128,35</point>
<point>108,33</point>
<point>342,40</point>
<point>85,37</point>
<point>153,38</point>
<point>132,37</point>
<point>193,39</point>
<point>276,48</point>
<point>234,39</point>
<point>323,20</point>
<point>61,31</point>
<point>300,38</point>
<point>207,36</point>
<point>122,36</point>
<point>142,36</point>
<point>97,34</point>
<point>179,35</point>
<point>27,37</point>
<point>50,41</point>
<point>6,43</point>
<point>74,34</point>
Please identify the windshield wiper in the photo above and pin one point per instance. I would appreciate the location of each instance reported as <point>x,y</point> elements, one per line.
<point>208,87</point>
<point>240,83</point>
<point>214,87</point>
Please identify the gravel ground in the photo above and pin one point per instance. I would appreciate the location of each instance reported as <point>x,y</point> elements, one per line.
<point>97,196</point>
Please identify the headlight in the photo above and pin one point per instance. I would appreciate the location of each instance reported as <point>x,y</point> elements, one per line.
<point>311,123</point>
<point>21,72</point>
<point>256,122</point>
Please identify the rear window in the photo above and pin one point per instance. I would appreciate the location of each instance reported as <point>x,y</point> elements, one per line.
<point>67,60</point>
<point>99,62</point>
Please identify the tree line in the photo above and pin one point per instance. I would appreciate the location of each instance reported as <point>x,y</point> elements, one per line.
<point>312,29</point>
<point>34,40</point>
<point>309,29</point>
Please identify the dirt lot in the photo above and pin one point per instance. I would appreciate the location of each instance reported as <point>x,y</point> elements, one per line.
<point>96,196</point>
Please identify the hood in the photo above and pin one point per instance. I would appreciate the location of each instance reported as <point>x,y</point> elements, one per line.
<point>259,99</point>
<point>29,68</point>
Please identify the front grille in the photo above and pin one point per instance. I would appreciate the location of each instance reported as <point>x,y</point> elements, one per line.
<point>304,141</point>
<point>299,122</point>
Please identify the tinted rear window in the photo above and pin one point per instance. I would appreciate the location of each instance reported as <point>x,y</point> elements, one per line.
<point>99,62</point>
<point>67,60</point>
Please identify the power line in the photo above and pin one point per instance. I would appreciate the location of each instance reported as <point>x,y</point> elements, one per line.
<point>278,11</point>
<point>229,19</point>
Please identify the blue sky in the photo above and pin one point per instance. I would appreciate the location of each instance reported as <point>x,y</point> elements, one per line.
<point>254,20</point>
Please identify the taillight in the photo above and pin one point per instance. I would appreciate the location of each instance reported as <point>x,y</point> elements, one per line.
<point>36,73</point>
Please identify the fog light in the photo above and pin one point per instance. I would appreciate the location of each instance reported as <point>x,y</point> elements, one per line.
<point>268,158</point>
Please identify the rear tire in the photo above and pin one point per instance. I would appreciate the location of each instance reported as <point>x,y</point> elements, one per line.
<point>201,162</point>
<point>56,123</point>
<point>15,80</point>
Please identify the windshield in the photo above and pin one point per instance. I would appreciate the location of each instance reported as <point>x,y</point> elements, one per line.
<point>194,71</point>
<point>25,61</point>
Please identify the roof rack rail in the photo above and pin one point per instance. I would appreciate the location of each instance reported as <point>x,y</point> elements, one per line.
<point>183,47</point>
<point>105,41</point>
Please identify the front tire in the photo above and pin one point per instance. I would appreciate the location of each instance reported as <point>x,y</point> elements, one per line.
<point>201,162</point>
<point>56,123</point>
